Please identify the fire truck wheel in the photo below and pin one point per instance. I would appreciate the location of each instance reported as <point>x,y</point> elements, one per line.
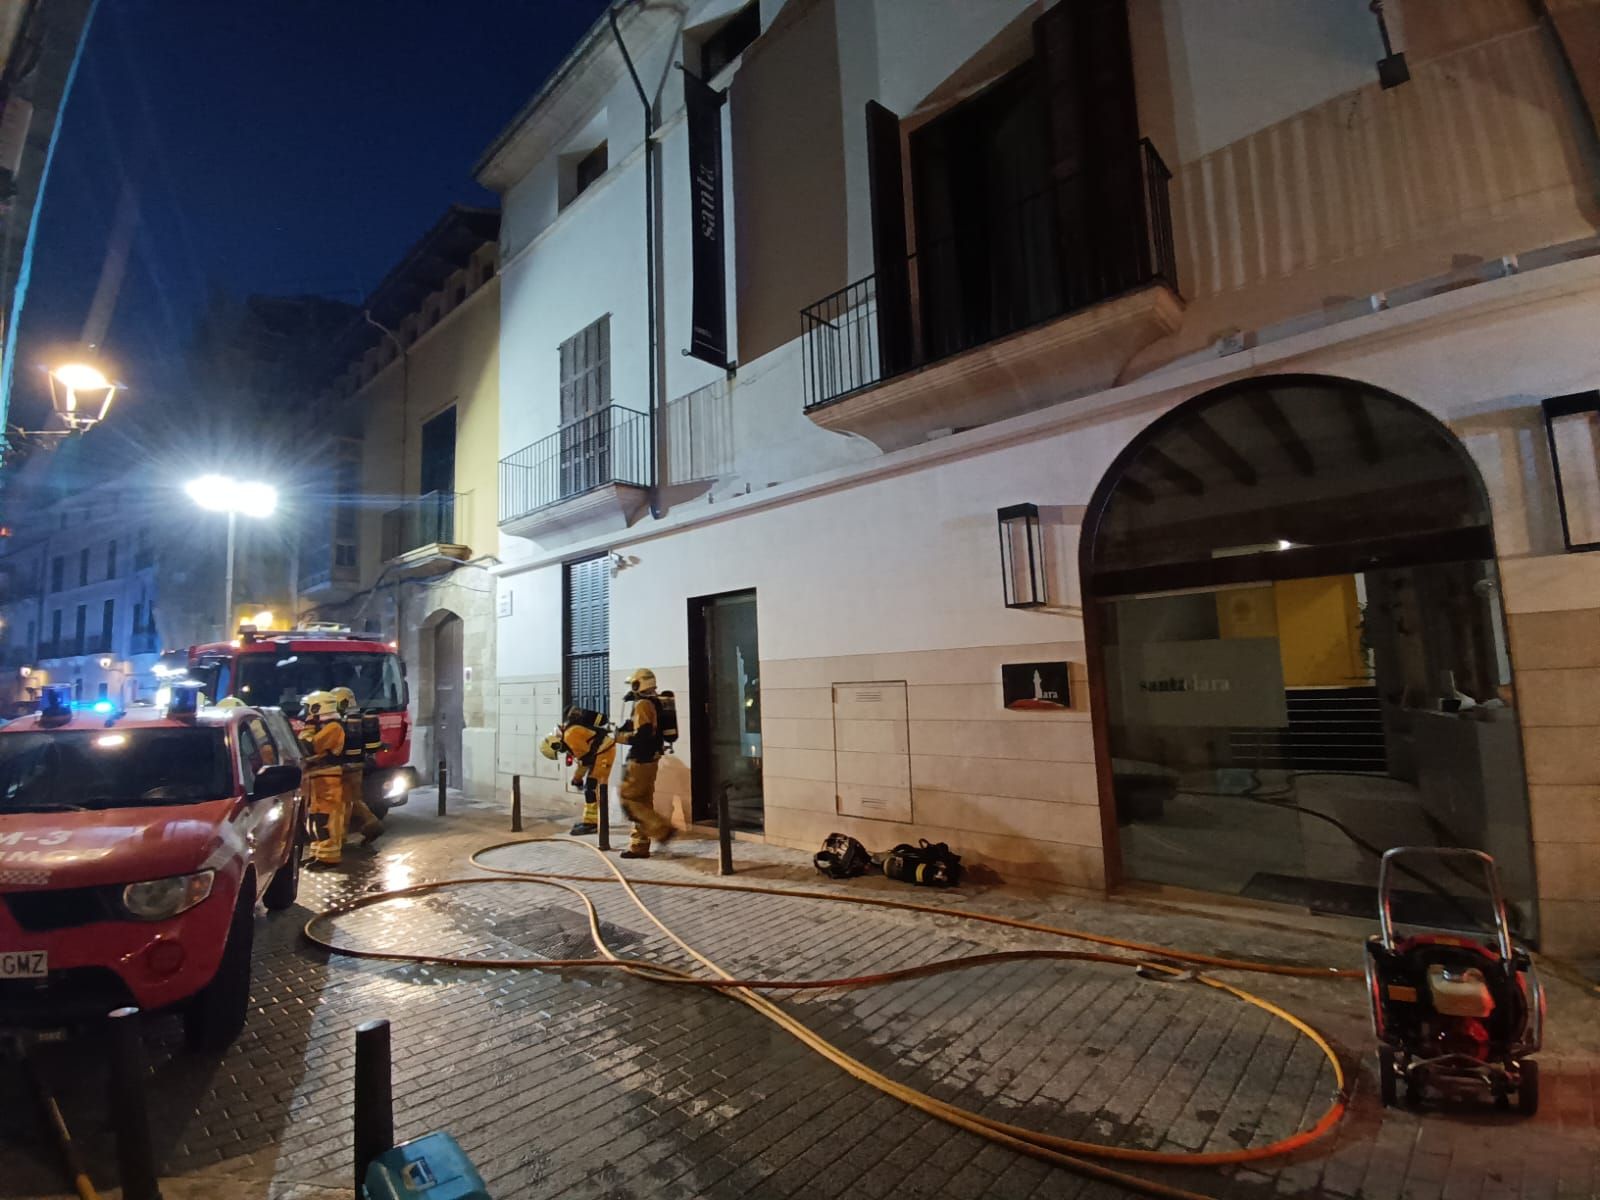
<point>217,1013</point>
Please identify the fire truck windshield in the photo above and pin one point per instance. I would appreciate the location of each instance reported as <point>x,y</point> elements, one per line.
<point>281,680</point>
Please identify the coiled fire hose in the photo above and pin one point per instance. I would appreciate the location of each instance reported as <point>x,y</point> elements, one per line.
<point>1073,1154</point>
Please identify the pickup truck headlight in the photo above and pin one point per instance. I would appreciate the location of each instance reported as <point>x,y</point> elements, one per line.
<point>158,899</point>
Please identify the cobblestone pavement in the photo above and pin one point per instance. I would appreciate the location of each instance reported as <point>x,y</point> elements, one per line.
<point>600,1085</point>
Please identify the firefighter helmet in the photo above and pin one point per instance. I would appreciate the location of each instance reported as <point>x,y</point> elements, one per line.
<point>230,702</point>
<point>342,696</point>
<point>642,679</point>
<point>319,704</point>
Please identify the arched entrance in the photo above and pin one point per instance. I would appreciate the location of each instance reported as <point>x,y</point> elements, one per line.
<point>1298,650</point>
<point>448,688</point>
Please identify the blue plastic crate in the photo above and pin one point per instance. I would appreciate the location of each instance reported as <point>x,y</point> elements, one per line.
<point>433,1167</point>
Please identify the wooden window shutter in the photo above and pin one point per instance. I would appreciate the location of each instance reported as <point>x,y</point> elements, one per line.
<point>1086,57</point>
<point>889,263</point>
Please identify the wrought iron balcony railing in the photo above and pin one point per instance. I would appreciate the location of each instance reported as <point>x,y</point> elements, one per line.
<point>608,446</point>
<point>1042,262</point>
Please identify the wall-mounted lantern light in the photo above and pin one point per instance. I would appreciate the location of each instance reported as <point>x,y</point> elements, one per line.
<point>1022,557</point>
<point>105,663</point>
<point>1572,425</point>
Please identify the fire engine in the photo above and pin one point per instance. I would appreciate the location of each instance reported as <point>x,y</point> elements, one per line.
<point>274,668</point>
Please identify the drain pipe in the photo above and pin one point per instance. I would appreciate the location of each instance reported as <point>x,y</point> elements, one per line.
<point>649,256</point>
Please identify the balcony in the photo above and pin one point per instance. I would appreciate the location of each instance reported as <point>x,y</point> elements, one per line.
<point>590,476</point>
<point>98,645</point>
<point>419,537</point>
<point>993,325</point>
<point>144,641</point>
<point>65,648</point>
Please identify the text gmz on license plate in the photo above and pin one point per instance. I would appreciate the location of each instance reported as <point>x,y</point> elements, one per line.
<point>24,964</point>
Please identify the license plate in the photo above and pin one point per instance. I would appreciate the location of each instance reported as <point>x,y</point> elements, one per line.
<point>24,964</point>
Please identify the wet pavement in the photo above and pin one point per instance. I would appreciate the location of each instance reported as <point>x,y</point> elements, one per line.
<point>597,1084</point>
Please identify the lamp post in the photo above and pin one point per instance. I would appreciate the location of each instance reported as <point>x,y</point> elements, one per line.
<point>220,493</point>
<point>80,394</point>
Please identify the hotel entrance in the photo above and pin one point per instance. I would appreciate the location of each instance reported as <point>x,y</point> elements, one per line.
<point>1299,651</point>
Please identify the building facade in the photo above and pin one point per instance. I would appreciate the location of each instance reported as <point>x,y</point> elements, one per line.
<point>80,602</point>
<point>1152,451</point>
<point>404,547</point>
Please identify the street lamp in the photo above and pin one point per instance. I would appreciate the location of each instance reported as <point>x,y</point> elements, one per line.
<point>80,394</point>
<point>220,493</point>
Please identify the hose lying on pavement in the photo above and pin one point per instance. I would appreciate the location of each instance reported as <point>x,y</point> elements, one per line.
<point>1067,1152</point>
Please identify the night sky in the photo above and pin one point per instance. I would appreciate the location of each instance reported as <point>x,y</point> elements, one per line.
<point>277,146</point>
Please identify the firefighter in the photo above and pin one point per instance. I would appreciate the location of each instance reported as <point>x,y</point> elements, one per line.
<point>323,739</point>
<point>353,769</point>
<point>594,751</point>
<point>641,733</point>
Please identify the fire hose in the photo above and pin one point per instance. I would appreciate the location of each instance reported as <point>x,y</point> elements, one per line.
<point>1076,1155</point>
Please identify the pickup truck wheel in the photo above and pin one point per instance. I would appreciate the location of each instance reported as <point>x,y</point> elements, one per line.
<point>285,885</point>
<point>216,1014</point>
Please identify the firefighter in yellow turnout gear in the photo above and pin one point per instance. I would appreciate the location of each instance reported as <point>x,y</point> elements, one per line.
<point>353,768</point>
<point>641,733</point>
<point>583,735</point>
<point>323,742</point>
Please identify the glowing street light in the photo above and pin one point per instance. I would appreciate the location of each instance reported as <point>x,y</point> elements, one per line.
<point>81,395</point>
<point>220,493</point>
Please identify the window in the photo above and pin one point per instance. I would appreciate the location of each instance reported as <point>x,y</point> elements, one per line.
<point>108,619</point>
<point>102,691</point>
<point>111,560</point>
<point>585,394</point>
<point>264,678</point>
<point>82,627</point>
<point>586,633</point>
<point>138,617</point>
<point>58,569</point>
<point>1572,427</point>
<point>730,39</point>
<point>83,566</point>
<point>590,167</point>
<point>586,371</point>
<point>32,630</point>
<point>55,631</point>
<point>344,555</point>
<point>84,768</point>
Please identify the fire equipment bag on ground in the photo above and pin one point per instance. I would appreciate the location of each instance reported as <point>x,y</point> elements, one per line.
<point>842,857</point>
<point>925,865</point>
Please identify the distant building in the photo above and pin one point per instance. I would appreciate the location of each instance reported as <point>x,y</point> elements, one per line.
<point>402,543</point>
<point>80,598</point>
<point>1156,347</point>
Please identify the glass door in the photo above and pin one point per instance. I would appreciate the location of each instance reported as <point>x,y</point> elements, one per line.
<point>726,684</point>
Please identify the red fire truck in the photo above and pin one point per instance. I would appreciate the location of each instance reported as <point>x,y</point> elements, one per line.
<point>275,668</point>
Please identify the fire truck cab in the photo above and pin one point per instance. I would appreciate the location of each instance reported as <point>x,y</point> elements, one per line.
<point>275,668</point>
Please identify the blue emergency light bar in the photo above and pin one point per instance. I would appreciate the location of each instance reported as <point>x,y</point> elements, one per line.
<point>55,704</point>
<point>185,701</point>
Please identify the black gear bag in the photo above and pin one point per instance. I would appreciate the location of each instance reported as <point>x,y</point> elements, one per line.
<point>926,865</point>
<point>842,857</point>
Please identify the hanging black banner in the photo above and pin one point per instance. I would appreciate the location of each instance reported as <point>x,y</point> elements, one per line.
<point>709,317</point>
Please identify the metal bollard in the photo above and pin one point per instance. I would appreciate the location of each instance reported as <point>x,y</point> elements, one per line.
<point>516,804</point>
<point>444,781</point>
<point>374,1111</point>
<point>136,1159</point>
<point>604,809</point>
<point>724,836</point>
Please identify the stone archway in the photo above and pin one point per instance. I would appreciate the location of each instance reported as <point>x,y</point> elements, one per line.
<point>1296,648</point>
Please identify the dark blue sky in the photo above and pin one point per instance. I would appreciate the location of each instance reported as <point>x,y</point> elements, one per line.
<point>276,146</point>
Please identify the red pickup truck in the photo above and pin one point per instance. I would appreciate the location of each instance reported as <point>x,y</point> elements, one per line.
<point>133,850</point>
